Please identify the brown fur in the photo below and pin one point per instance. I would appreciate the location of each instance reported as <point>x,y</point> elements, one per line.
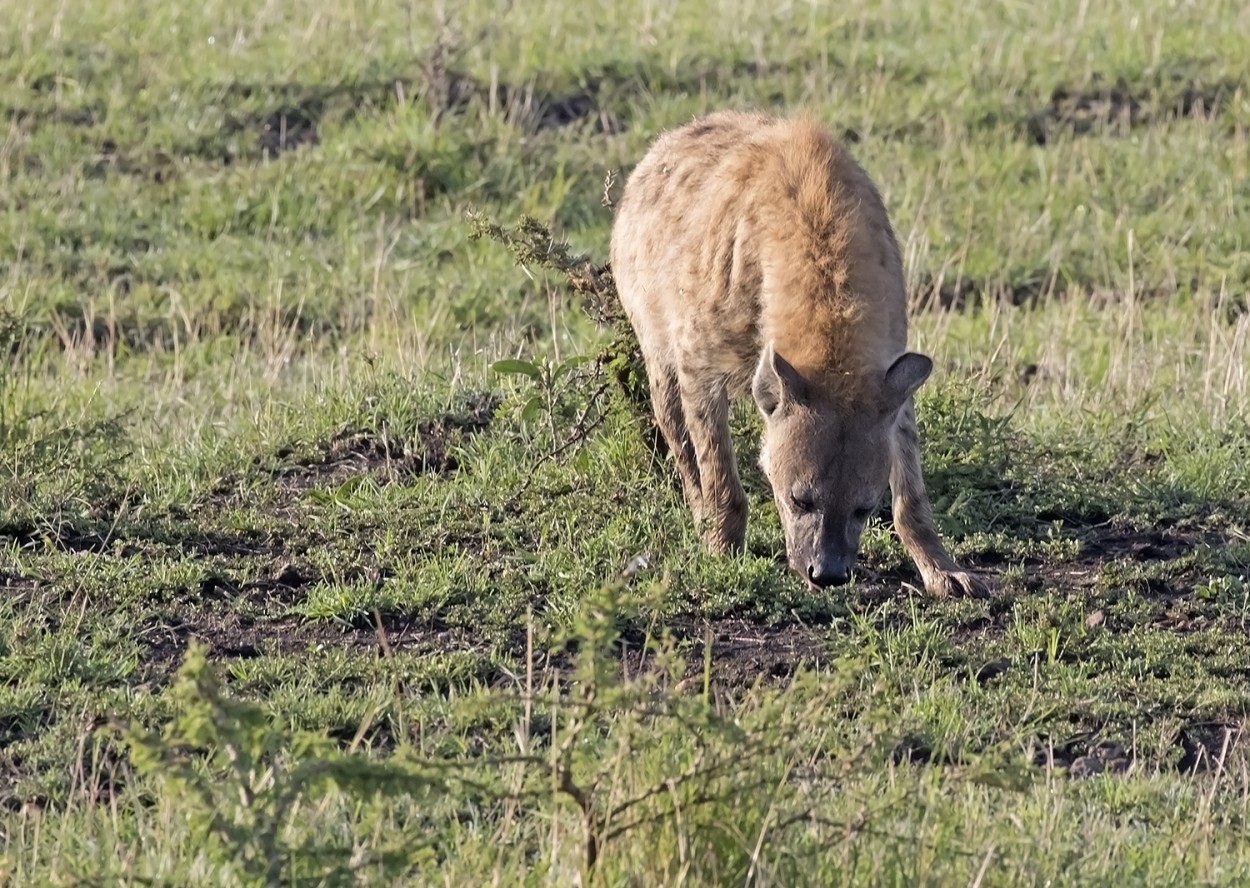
<point>754,254</point>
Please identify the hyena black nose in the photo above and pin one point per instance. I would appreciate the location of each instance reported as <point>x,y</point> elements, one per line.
<point>829,572</point>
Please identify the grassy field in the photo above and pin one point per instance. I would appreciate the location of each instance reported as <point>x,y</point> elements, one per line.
<point>296,589</point>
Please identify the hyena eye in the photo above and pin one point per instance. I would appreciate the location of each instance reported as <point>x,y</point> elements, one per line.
<point>802,503</point>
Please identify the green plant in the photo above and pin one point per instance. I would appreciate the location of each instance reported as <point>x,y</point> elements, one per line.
<point>532,243</point>
<point>557,384</point>
<point>241,780</point>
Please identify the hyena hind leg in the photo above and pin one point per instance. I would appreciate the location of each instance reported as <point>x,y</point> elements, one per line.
<point>913,518</point>
<point>724,520</point>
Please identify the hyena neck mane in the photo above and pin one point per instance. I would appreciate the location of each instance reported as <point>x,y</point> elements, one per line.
<point>834,303</point>
<point>832,341</point>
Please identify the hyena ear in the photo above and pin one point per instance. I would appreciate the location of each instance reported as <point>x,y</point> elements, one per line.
<point>903,378</point>
<point>776,383</point>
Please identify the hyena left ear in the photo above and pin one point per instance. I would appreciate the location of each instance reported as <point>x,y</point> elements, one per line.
<point>903,378</point>
<point>776,382</point>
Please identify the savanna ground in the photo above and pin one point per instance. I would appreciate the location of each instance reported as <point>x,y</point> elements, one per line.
<point>296,589</point>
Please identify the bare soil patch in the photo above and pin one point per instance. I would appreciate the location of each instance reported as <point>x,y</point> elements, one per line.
<point>229,634</point>
<point>124,539</point>
<point>1119,107</point>
<point>1206,745</point>
<point>969,292</point>
<point>742,652</point>
<point>286,129</point>
<point>1104,546</point>
<point>388,455</point>
<point>292,115</point>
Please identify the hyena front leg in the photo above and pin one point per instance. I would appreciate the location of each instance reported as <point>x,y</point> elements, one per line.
<point>666,403</point>
<point>913,518</point>
<point>723,523</point>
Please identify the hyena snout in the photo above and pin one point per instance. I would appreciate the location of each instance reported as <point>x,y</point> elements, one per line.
<point>827,560</point>
<point>825,570</point>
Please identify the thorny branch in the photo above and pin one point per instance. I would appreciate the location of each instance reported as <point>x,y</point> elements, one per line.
<point>533,244</point>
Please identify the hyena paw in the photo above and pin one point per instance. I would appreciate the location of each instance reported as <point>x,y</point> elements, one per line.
<point>956,583</point>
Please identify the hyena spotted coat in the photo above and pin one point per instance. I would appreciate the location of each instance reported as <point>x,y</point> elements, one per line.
<point>753,254</point>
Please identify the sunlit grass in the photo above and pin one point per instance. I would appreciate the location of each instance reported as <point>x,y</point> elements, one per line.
<point>248,400</point>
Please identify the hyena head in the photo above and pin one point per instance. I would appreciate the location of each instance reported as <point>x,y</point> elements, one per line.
<point>828,464</point>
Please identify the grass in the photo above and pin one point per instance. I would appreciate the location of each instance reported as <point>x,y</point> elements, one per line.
<point>297,589</point>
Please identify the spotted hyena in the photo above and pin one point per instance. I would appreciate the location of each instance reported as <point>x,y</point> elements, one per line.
<point>753,253</point>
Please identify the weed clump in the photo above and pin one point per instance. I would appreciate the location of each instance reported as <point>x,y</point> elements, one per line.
<point>532,243</point>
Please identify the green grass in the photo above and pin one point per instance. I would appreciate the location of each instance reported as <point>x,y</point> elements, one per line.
<point>248,423</point>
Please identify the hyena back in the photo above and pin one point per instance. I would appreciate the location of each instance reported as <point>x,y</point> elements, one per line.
<point>752,253</point>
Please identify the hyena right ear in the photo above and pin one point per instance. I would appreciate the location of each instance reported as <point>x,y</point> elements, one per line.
<point>776,382</point>
<point>903,378</point>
